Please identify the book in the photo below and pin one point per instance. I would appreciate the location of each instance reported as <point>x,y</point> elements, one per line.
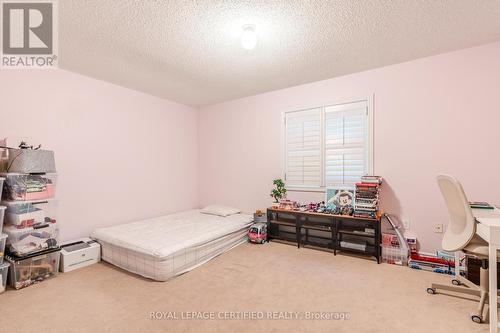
<point>481,205</point>
<point>371,179</point>
<point>367,197</point>
<point>366,185</point>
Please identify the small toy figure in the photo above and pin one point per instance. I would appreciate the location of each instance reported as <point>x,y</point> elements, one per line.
<point>303,208</point>
<point>258,233</point>
<point>320,207</point>
<point>346,210</point>
<point>312,207</point>
<point>24,145</point>
<point>259,216</point>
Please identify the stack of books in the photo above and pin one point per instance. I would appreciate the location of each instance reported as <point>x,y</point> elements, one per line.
<point>367,197</point>
<point>480,205</point>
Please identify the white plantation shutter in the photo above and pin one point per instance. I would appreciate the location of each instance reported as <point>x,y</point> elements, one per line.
<point>303,148</point>
<point>327,146</point>
<point>345,143</point>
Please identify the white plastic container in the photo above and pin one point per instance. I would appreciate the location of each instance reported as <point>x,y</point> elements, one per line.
<point>29,187</point>
<point>3,240</point>
<point>24,241</point>
<point>4,270</point>
<point>79,253</point>
<point>2,214</point>
<point>24,214</point>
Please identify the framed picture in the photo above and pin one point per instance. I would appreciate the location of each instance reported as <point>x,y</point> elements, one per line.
<point>340,196</point>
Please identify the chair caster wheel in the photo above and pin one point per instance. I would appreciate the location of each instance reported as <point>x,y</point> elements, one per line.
<point>477,319</point>
<point>431,291</point>
<point>455,282</point>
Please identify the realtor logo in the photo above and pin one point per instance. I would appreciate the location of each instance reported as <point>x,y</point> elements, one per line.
<point>28,34</point>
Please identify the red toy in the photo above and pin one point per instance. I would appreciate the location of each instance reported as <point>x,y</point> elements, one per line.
<point>416,256</point>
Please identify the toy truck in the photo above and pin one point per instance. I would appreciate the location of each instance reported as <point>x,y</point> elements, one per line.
<point>258,233</point>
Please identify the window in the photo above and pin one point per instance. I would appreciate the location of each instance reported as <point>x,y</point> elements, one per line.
<point>328,146</point>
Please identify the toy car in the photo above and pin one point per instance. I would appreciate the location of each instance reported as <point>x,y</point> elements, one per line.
<point>258,233</point>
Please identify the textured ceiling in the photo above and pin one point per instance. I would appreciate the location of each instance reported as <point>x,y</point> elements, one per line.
<point>189,51</point>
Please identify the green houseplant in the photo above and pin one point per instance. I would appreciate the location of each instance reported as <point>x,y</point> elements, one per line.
<point>280,191</point>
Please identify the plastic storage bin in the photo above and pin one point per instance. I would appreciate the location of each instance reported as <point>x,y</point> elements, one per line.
<point>31,161</point>
<point>24,214</point>
<point>23,241</point>
<point>4,269</point>
<point>26,187</point>
<point>394,255</point>
<point>2,179</point>
<point>3,240</point>
<point>2,215</point>
<point>34,268</point>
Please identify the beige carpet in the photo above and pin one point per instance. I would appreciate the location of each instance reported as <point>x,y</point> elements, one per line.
<point>263,278</point>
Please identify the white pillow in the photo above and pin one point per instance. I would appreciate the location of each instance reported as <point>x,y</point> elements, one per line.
<point>219,210</point>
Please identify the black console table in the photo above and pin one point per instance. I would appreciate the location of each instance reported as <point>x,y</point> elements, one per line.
<point>334,232</point>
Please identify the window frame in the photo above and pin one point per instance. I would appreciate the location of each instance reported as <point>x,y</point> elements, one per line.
<point>370,137</point>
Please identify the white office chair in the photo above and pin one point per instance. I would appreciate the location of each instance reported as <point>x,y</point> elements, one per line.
<point>461,236</point>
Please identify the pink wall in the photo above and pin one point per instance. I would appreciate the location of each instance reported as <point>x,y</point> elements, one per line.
<point>121,155</point>
<point>437,114</point>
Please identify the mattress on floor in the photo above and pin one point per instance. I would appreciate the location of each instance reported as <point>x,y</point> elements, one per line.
<point>163,247</point>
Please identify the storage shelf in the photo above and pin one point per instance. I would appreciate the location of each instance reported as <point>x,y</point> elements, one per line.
<point>317,244</point>
<point>292,239</point>
<point>370,249</point>
<point>288,224</point>
<point>318,228</point>
<point>357,233</point>
<point>303,236</point>
<point>333,216</point>
<point>286,232</point>
<point>334,228</point>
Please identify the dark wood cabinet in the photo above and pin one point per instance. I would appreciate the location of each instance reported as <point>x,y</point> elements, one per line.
<point>332,232</point>
<point>473,266</point>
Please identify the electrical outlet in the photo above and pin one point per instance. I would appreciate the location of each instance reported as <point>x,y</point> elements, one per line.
<point>438,228</point>
<point>406,223</point>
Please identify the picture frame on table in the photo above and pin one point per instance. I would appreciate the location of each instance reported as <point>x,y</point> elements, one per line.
<point>341,196</point>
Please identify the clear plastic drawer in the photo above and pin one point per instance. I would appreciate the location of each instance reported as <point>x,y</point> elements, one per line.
<point>24,214</point>
<point>35,268</point>
<point>28,187</point>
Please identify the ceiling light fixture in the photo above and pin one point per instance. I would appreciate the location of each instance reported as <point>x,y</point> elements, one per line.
<point>249,37</point>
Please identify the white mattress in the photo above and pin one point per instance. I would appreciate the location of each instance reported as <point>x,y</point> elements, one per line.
<point>166,246</point>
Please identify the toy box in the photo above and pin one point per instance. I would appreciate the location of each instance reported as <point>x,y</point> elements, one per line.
<point>431,266</point>
<point>24,214</point>
<point>31,161</point>
<point>3,240</point>
<point>34,268</point>
<point>412,242</point>
<point>4,269</point>
<point>433,263</point>
<point>390,240</point>
<point>23,241</point>
<point>26,187</point>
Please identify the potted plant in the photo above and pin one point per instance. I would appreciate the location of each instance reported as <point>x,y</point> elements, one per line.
<point>279,192</point>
